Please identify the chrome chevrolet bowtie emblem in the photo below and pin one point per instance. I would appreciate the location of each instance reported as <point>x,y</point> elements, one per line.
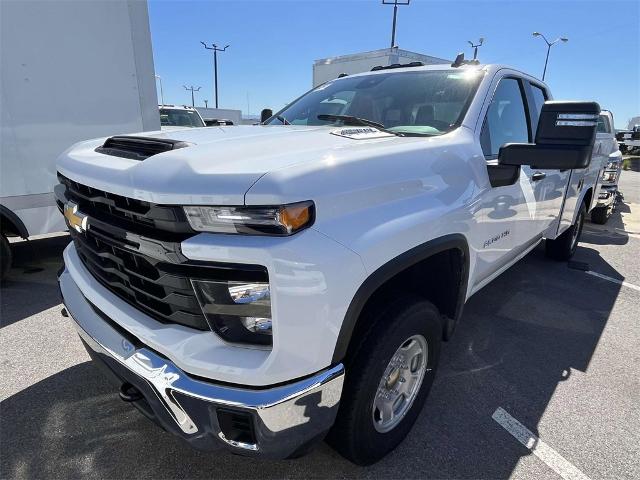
<point>75,218</point>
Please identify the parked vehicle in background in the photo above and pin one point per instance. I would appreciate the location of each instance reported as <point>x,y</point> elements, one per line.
<point>179,116</point>
<point>629,140</point>
<point>607,191</point>
<point>257,287</point>
<point>215,122</point>
<point>57,90</point>
<point>227,114</point>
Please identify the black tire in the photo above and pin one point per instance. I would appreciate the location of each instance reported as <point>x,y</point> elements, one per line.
<point>354,435</point>
<point>5,257</point>
<point>600,215</point>
<point>563,247</point>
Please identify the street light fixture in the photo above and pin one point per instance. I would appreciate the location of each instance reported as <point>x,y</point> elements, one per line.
<point>215,49</point>
<point>395,4</point>
<point>549,45</point>
<point>475,47</point>
<point>161,92</point>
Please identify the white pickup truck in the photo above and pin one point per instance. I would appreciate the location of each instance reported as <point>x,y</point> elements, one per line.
<point>261,287</point>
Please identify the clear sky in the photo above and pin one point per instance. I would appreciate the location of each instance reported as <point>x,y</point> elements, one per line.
<point>273,44</point>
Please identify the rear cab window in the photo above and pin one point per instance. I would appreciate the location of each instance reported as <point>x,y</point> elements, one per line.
<point>604,125</point>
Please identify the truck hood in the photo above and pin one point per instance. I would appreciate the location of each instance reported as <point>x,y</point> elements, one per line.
<point>221,164</point>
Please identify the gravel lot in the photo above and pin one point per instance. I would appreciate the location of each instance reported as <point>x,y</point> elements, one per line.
<point>555,347</point>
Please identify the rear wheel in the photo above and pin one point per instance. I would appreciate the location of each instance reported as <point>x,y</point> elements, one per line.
<point>388,378</point>
<point>563,247</point>
<point>5,257</point>
<point>600,215</point>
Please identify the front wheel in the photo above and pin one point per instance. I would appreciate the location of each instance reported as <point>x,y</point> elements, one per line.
<point>388,377</point>
<point>5,257</point>
<point>600,215</point>
<point>563,247</point>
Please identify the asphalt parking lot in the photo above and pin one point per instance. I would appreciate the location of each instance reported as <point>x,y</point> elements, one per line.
<point>551,344</point>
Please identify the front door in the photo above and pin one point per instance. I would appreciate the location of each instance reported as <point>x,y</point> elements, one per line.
<point>507,214</point>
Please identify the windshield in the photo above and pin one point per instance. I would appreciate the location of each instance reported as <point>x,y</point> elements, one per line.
<point>180,118</point>
<point>413,103</point>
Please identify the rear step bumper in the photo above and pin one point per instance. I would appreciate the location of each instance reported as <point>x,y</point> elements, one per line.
<point>273,422</point>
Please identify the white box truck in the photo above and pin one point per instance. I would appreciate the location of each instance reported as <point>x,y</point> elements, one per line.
<point>327,69</point>
<point>69,71</point>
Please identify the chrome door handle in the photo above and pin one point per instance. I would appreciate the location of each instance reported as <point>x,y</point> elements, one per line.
<point>538,176</point>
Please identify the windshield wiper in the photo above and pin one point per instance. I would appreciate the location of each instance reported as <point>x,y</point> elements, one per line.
<point>351,120</point>
<point>283,120</point>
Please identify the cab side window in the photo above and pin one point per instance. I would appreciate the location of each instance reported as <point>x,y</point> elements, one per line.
<point>603,124</point>
<point>506,119</point>
<point>539,96</point>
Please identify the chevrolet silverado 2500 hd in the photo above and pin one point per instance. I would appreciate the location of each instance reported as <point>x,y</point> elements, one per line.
<point>257,287</point>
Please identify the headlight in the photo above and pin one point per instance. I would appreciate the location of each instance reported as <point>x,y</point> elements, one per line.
<point>278,220</point>
<point>611,166</point>
<point>239,312</point>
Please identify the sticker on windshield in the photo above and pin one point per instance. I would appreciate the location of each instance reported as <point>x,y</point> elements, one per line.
<point>361,133</point>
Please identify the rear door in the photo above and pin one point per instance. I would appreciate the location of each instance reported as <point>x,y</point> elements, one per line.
<point>548,184</point>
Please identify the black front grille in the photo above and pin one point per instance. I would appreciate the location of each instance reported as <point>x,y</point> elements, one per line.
<point>133,249</point>
<point>126,213</point>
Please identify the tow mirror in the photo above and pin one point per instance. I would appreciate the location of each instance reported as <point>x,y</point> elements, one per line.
<point>265,115</point>
<point>564,139</point>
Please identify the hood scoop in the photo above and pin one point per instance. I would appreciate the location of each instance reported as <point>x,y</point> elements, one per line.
<point>138,148</point>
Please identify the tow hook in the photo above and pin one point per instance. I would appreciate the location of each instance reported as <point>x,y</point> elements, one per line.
<point>128,393</point>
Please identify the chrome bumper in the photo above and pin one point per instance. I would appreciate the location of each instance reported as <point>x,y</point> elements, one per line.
<point>283,421</point>
<point>607,196</point>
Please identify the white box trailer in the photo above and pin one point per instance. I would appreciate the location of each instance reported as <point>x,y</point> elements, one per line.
<point>329,68</point>
<point>69,71</point>
<point>221,114</point>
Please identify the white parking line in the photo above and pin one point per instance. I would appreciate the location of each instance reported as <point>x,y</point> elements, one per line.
<point>544,452</point>
<point>614,280</point>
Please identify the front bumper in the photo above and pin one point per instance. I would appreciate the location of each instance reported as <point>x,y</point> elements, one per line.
<point>607,196</point>
<point>273,422</point>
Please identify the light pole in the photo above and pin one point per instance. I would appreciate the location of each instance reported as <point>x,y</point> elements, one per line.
<point>395,4</point>
<point>475,47</point>
<point>215,49</point>
<point>161,92</point>
<point>192,89</point>
<point>549,44</point>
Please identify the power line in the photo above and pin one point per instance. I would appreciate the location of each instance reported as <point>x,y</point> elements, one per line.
<point>215,50</point>
<point>192,89</point>
<point>395,4</point>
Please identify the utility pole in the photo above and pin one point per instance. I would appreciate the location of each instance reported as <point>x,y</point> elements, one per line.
<point>475,47</point>
<point>395,4</point>
<point>215,49</point>
<point>192,89</point>
<point>161,92</point>
<point>549,45</point>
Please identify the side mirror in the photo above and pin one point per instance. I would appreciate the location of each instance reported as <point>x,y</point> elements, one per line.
<point>265,115</point>
<point>564,139</point>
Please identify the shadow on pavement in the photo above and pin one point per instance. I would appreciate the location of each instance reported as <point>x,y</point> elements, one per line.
<point>31,285</point>
<point>519,338</point>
